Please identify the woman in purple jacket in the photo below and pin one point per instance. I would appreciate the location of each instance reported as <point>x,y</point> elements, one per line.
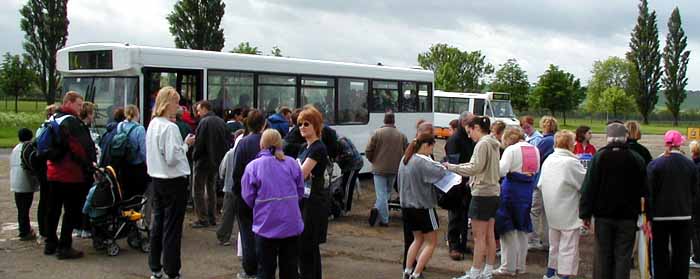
<point>272,185</point>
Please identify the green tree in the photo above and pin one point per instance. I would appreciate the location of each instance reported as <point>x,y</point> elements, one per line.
<point>616,101</point>
<point>557,91</point>
<point>16,76</point>
<point>245,48</point>
<point>456,70</point>
<point>675,65</point>
<point>606,74</point>
<point>276,51</point>
<point>512,79</point>
<point>646,60</point>
<point>45,26</point>
<point>196,24</point>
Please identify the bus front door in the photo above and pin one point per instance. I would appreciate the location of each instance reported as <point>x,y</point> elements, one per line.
<point>188,82</point>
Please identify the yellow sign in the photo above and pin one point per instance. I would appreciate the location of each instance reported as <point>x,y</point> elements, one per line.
<point>694,133</point>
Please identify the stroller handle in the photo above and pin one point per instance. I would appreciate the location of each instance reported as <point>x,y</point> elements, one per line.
<point>129,203</point>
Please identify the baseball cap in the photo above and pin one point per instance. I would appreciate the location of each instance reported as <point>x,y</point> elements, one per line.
<point>674,138</point>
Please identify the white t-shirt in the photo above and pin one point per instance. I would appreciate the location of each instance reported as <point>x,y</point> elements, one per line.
<point>514,156</point>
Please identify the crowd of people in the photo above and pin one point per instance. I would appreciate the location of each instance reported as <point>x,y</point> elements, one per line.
<point>516,188</point>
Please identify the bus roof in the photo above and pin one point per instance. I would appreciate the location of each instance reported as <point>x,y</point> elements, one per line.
<point>486,95</point>
<point>128,59</point>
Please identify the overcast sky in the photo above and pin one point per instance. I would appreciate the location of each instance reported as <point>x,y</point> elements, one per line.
<point>571,34</point>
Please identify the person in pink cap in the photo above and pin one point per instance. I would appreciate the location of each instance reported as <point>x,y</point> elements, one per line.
<point>673,186</point>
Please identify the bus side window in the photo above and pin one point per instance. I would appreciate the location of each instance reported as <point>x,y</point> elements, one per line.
<point>385,96</point>
<point>479,106</point>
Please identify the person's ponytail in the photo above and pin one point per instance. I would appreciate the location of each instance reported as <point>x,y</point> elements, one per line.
<point>279,154</point>
<point>272,141</point>
<point>410,150</point>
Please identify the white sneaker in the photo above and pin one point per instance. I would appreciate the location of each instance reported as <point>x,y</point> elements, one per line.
<point>86,234</point>
<point>156,275</point>
<point>468,275</point>
<point>693,264</point>
<point>553,277</point>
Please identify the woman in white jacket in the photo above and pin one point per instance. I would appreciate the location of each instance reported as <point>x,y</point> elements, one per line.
<point>560,182</point>
<point>169,169</point>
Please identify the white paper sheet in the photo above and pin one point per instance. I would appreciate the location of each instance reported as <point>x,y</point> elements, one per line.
<point>446,182</point>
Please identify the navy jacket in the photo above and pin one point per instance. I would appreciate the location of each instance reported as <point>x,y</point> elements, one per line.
<point>246,151</point>
<point>279,123</point>
<point>673,186</point>
<point>546,147</point>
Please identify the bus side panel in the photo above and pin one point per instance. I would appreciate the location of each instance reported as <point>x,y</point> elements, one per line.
<point>360,134</point>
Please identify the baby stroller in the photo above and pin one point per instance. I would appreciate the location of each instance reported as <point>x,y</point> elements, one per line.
<point>113,218</point>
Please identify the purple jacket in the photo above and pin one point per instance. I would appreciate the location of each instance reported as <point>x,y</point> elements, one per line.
<point>273,188</point>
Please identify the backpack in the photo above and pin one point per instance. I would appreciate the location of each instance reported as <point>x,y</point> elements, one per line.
<point>48,140</point>
<point>29,158</point>
<point>121,150</point>
<point>348,157</point>
<point>105,143</point>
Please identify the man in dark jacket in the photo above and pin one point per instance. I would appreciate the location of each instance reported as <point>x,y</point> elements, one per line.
<point>280,120</point>
<point>246,151</point>
<point>614,186</point>
<point>69,167</point>
<point>209,149</point>
<point>458,150</point>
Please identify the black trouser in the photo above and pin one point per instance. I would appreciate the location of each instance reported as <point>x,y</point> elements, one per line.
<point>315,212</point>
<point>24,204</point>
<point>168,205</point>
<point>66,197</point>
<point>249,261</point>
<point>205,192</point>
<point>696,239</point>
<point>42,210</point>
<point>674,265</point>
<point>615,240</point>
<point>458,225</point>
<point>349,180</point>
<point>274,251</point>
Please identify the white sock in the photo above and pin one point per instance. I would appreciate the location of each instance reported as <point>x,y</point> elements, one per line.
<point>475,272</point>
<point>488,269</point>
<point>415,275</point>
<point>408,271</point>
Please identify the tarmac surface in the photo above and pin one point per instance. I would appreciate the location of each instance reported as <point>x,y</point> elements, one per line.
<point>354,250</point>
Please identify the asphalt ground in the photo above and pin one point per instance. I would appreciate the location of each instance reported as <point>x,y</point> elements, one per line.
<point>354,250</point>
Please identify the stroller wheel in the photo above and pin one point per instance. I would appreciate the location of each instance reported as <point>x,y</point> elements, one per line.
<point>145,246</point>
<point>113,249</point>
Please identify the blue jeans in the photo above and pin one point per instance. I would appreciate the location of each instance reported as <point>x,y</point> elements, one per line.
<point>382,187</point>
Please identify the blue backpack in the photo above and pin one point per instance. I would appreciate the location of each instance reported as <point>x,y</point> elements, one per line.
<point>48,139</point>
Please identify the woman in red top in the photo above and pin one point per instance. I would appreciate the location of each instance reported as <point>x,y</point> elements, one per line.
<point>583,141</point>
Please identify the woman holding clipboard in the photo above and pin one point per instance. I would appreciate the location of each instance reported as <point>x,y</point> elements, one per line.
<point>417,174</point>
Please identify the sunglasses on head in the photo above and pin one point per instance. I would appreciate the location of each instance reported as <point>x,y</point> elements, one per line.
<point>305,124</point>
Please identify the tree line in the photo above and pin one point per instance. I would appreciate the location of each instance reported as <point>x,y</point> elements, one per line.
<point>617,85</point>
